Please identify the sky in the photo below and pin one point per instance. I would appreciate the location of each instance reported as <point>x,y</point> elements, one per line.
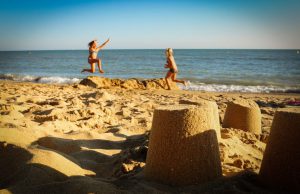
<point>153,24</point>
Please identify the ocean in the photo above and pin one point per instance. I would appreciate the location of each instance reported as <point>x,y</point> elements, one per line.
<point>222,70</point>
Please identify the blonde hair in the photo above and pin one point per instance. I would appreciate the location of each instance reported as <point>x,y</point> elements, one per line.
<point>169,52</point>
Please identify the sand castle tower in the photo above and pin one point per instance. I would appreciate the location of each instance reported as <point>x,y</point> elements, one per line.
<point>280,167</point>
<point>210,104</point>
<point>183,146</point>
<point>243,114</point>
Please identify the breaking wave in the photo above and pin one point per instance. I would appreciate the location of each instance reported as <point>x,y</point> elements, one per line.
<point>39,79</point>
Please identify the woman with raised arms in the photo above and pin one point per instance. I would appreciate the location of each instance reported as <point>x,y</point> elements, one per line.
<point>93,58</point>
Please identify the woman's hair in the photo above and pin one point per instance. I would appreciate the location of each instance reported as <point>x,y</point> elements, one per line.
<point>91,43</point>
<point>169,52</point>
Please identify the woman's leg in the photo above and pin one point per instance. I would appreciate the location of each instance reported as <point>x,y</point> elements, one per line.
<point>91,70</point>
<point>92,67</point>
<point>100,66</point>
<point>168,75</point>
<point>176,80</point>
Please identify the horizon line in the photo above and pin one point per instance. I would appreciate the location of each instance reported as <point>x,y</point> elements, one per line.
<point>23,50</point>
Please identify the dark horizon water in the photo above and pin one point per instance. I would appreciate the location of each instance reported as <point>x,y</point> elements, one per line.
<point>206,69</point>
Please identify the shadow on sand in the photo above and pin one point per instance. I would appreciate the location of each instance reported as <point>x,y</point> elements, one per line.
<point>104,166</point>
<point>19,176</point>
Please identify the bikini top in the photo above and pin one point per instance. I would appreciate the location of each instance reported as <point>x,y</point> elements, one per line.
<point>91,52</point>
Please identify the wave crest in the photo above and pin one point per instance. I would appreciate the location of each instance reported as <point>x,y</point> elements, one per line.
<point>239,88</point>
<point>39,79</point>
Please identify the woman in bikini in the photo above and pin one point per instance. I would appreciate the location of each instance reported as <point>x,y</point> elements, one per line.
<point>172,68</point>
<point>93,52</point>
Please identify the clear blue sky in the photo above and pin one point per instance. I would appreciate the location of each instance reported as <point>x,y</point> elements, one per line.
<point>71,24</point>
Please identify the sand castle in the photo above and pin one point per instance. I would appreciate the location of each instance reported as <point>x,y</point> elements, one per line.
<point>280,167</point>
<point>211,104</point>
<point>243,114</point>
<point>183,146</point>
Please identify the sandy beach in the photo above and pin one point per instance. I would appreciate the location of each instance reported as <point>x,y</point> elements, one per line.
<point>79,139</point>
<point>149,97</point>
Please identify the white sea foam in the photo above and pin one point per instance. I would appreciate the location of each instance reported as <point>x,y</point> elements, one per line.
<point>38,79</point>
<point>237,88</point>
<point>59,80</point>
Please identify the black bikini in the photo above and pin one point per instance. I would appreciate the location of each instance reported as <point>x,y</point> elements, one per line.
<point>173,70</point>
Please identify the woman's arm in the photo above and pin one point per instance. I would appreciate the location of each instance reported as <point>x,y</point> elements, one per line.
<point>172,63</point>
<point>167,65</point>
<point>102,45</point>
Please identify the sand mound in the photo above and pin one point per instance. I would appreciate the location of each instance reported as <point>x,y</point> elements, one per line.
<point>280,166</point>
<point>18,137</point>
<point>182,141</point>
<point>101,82</point>
<point>243,114</point>
<point>18,171</point>
<point>58,162</point>
<point>62,145</point>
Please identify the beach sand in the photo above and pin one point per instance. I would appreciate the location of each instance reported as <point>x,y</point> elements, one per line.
<point>80,139</point>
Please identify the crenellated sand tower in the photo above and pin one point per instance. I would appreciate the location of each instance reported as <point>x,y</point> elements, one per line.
<point>183,146</point>
<point>243,114</point>
<point>280,167</point>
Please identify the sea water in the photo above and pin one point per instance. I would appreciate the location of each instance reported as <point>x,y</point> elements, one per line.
<point>205,69</point>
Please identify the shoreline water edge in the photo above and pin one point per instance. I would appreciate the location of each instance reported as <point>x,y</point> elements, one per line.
<point>191,85</point>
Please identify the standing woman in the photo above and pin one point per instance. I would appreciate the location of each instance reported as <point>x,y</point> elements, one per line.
<point>93,52</point>
<point>173,70</point>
